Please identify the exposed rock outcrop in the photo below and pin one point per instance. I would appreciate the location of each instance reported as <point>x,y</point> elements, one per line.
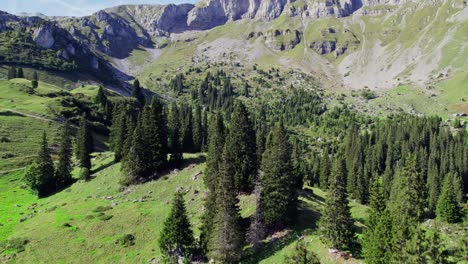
<point>44,36</point>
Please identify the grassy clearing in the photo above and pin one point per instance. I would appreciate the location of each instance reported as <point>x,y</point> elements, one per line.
<point>15,96</point>
<point>20,137</point>
<point>74,219</point>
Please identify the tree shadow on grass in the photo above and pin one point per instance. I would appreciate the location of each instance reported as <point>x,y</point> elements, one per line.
<point>306,222</point>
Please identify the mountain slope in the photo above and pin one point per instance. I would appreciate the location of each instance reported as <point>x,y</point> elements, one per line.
<point>347,44</point>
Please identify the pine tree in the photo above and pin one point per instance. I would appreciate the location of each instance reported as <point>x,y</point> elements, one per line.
<point>448,209</point>
<point>63,175</point>
<point>12,73</point>
<point>197,130</point>
<point>137,92</point>
<point>227,238</point>
<point>301,255</point>
<point>101,97</point>
<point>278,199</point>
<point>135,163</point>
<point>20,73</point>
<point>324,170</point>
<point>118,132</point>
<point>40,175</point>
<point>176,154</point>
<point>187,129</point>
<point>154,125</point>
<point>336,223</point>
<point>205,131</point>
<point>406,205</point>
<point>84,144</point>
<point>376,242</point>
<point>35,80</point>
<point>176,238</point>
<point>211,177</point>
<point>241,143</point>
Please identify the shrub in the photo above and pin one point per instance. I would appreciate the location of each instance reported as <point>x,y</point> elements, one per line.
<point>126,240</point>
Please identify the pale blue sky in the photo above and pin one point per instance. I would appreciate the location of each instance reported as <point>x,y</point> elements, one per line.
<point>72,7</point>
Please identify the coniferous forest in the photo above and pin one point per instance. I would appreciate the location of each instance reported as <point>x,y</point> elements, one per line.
<point>231,132</point>
<point>406,170</point>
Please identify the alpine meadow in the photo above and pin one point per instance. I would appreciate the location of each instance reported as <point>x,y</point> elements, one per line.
<point>234,131</point>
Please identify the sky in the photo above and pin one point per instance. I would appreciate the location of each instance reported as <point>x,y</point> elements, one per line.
<point>72,7</point>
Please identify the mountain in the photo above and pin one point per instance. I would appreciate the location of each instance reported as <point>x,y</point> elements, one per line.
<point>347,44</point>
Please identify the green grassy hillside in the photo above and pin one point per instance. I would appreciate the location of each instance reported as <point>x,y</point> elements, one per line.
<point>86,222</point>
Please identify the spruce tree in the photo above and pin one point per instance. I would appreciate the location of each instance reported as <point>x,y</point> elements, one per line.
<point>84,144</point>
<point>227,239</point>
<point>154,125</point>
<point>175,147</point>
<point>197,130</point>
<point>12,73</point>
<point>137,92</point>
<point>376,242</point>
<point>448,209</point>
<point>187,130</point>
<point>211,177</point>
<point>176,238</point>
<point>35,80</point>
<point>63,175</point>
<point>20,73</point>
<point>118,132</point>
<point>241,142</point>
<point>406,205</point>
<point>278,199</point>
<point>301,255</point>
<point>324,170</point>
<point>336,223</point>
<point>40,175</point>
<point>135,162</point>
<point>101,97</point>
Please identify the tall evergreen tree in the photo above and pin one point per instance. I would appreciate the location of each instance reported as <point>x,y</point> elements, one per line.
<point>211,177</point>
<point>187,129</point>
<point>135,163</point>
<point>118,132</point>
<point>241,142</point>
<point>84,144</point>
<point>137,92</point>
<point>336,222</point>
<point>12,73</point>
<point>406,205</point>
<point>35,80</point>
<point>448,208</point>
<point>176,238</point>
<point>154,124</point>
<point>278,199</point>
<point>324,170</point>
<point>376,242</point>
<point>197,130</point>
<point>20,73</point>
<point>101,97</point>
<point>63,175</point>
<point>174,137</point>
<point>40,175</point>
<point>227,238</point>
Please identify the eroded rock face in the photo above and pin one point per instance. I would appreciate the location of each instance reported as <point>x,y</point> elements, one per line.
<point>323,47</point>
<point>44,36</point>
